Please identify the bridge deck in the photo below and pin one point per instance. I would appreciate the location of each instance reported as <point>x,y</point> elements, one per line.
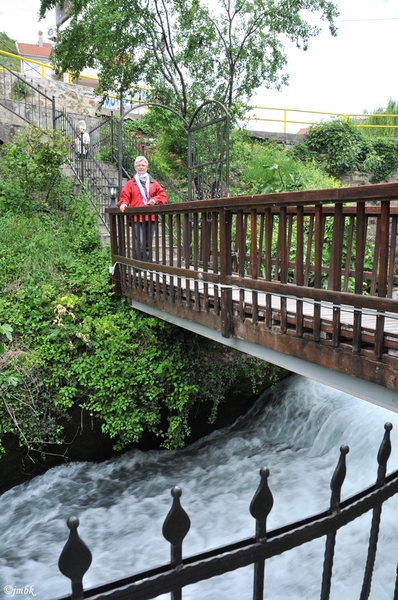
<point>311,275</point>
<point>209,293</point>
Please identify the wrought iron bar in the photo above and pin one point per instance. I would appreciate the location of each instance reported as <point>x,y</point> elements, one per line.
<point>260,508</point>
<point>75,558</point>
<point>335,485</point>
<point>382,458</point>
<point>26,100</point>
<point>175,528</point>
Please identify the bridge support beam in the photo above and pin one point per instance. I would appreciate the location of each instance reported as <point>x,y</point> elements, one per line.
<point>371,392</point>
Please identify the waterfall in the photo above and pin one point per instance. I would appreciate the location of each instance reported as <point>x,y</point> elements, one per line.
<point>295,429</point>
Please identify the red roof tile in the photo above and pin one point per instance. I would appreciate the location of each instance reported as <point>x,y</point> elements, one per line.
<point>43,51</point>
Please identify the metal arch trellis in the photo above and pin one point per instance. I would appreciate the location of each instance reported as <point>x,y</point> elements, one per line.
<point>120,131</point>
<point>208,152</point>
<point>208,148</point>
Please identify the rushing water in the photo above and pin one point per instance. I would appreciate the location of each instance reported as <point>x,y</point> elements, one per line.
<point>295,430</point>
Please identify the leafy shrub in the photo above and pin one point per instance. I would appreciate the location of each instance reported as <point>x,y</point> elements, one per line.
<point>21,90</point>
<point>30,170</point>
<point>340,148</point>
<point>387,152</point>
<point>336,145</point>
<point>382,123</point>
<point>73,345</point>
<point>267,167</point>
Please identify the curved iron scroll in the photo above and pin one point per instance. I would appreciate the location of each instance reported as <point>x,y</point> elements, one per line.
<point>208,152</point>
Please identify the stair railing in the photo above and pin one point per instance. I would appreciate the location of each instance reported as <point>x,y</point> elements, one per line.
<point>89,172</point>
<point>26,101</point>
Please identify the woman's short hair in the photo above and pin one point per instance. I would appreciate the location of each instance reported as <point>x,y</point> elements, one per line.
<point>139,159</point>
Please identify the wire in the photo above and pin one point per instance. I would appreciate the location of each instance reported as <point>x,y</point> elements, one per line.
<point>365,20</point>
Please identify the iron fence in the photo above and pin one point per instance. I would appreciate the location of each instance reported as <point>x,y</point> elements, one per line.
<point>172,577</point>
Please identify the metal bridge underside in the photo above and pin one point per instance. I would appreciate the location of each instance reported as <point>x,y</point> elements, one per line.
<point>358,374</point>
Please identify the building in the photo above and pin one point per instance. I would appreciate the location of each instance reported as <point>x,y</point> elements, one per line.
<point>39,52</point>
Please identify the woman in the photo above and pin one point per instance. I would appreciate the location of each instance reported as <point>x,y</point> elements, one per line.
<point>82,142</point>
<point>142,190</point>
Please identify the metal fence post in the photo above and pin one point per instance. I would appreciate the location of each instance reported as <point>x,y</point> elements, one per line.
<point>75,559</point>
<point>175,528</point>
<point>260,507</point>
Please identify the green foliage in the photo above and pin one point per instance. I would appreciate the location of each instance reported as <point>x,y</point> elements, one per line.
<point>337,145</point>
<point>191,50</point>
<point>5,332</point>
<point>20,90</point>
<point>30,170</point>
<point>74,346</point>
<point>171,150</point>
<point>341,148</point>
<point>264,167</point>
<point>382,123</point>
<point>25,411</point>
<point>387,153</point>
<point>9,45</point>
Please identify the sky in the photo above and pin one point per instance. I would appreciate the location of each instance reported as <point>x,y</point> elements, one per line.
<point>350,73</point>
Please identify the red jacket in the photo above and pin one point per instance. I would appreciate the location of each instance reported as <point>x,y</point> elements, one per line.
<point>131,194</point>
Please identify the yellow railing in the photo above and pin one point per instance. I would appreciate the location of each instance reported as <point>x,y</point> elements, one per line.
<point>285,117</point>
<point>281,116</point>
<point>43,67</point>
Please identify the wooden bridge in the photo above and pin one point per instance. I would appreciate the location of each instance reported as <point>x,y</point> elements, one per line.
<point>305,279</point>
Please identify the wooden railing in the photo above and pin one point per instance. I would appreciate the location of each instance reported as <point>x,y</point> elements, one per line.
<point>294,271</point>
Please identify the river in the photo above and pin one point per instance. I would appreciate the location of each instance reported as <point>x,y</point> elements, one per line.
<point>294,429</point>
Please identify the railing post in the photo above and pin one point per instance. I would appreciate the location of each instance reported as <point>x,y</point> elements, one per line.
<point>225,271</point>
<point>359,267</point>
<point>81,158</point>
<point>283,263</point>
<point>334,279</point>
<point>112,138</point>
<point>260,507</point>
<point>319,231</point>
<point>382,458</point>
<point>115,243</point>
<point>119,145</point>
<point>53,110</point>
<point>75,560</point>
<point>383,268</point>
<point>335,485</point>
<point>175,528</point>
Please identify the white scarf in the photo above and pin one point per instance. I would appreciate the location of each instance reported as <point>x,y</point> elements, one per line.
<point>144,192</point>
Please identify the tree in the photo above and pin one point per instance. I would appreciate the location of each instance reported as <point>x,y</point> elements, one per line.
<point>187,50</point>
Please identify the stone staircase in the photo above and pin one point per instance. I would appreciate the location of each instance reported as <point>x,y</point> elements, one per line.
<point>60,105</point>
<point>109,173</point>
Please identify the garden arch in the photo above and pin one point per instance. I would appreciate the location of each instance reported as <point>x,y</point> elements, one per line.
<point>207,148</point>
